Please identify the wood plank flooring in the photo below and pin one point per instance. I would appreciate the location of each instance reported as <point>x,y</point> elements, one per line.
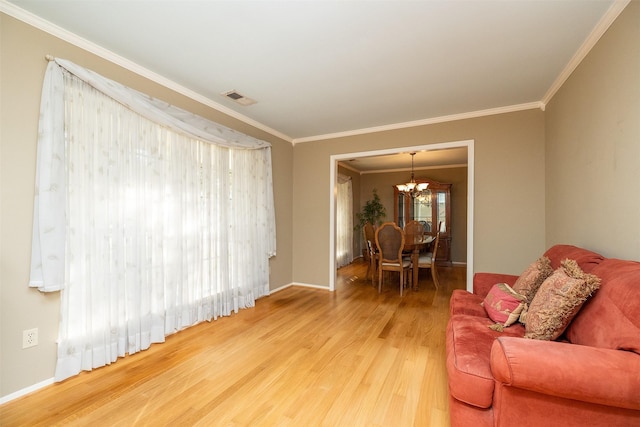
<point>301,357</point>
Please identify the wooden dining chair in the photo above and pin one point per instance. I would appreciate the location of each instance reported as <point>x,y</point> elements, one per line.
<point>390,242</point>
<point>373,261</point>
<point>412,229</point>
<point>371,250</point>
<point>428,260</point>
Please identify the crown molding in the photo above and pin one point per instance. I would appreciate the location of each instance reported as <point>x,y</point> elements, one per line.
<point>434,120</point>
<point>424,168</point>
<point>59,32</point>
<point>601,27</point>
<point>344,164</point>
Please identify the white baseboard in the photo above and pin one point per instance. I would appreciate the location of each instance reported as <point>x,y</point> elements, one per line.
<point>309,285</point>
<point>304,285</point>
<point>25,391</point>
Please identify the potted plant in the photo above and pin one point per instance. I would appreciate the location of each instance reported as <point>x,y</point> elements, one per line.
<point>373,211</point>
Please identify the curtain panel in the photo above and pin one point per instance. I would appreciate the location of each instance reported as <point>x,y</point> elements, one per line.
<point>344,221</point>
<point>147,218</point>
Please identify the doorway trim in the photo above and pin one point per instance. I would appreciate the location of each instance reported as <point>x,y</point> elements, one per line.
<point>333,169</point>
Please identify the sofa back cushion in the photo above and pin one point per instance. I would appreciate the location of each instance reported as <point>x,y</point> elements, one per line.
<point>610,319</point>
<point>586,259</point>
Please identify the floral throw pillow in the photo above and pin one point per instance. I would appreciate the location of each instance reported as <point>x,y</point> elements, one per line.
<point>558,300</point>
<point>531,279</point>
<point>503,305</point>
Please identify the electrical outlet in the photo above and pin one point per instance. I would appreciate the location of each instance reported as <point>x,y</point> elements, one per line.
<point>29,338</point>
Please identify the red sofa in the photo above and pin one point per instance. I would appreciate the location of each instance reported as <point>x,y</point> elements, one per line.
<point>589,376</point>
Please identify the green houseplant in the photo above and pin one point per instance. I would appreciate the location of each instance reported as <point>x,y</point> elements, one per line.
<point>373,211</point>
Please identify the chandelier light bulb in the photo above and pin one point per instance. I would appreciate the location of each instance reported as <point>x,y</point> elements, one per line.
<point>414,189</point>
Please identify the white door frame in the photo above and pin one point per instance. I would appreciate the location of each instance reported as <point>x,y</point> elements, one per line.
<point>334,159</point>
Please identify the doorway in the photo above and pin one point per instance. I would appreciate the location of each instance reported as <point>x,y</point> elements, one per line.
<point>334,159</point>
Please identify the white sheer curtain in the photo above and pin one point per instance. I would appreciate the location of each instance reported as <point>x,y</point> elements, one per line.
<point>146,226</point>
<point>344,222</point>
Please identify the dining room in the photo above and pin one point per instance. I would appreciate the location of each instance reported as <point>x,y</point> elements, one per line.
<point>443,207</point>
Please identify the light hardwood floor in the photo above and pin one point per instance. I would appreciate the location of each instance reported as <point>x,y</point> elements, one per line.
<point>301,357</point>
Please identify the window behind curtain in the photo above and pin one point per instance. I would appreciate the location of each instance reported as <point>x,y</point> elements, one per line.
<point>160,230</point>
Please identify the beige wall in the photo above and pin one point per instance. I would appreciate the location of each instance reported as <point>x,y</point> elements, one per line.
<point>593,147</point>
<point>22,69</point>
<point>509,189</point>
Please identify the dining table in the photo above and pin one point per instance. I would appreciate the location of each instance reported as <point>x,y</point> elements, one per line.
<point>414,243</point>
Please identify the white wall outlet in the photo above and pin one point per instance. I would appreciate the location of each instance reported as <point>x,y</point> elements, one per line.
<point>29,338</point>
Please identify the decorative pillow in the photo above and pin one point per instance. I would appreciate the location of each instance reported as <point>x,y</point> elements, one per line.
<point>558,301</point>
<point>531,279</point>
<point>503,305</point>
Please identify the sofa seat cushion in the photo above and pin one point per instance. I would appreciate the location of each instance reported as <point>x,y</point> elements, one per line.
<point>468,346</point>
<point>463,302</point>
<point>610,319</point>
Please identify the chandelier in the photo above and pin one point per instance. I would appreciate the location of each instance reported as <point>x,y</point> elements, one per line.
<point>414,189</point>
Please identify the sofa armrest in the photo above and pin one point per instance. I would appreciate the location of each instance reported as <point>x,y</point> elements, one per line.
<point>588,374</point>
<point>482,282</point>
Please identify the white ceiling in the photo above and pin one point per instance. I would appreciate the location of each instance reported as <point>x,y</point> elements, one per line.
<point>321,68</point>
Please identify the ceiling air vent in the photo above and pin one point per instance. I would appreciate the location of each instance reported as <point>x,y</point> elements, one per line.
<point>240,99</point>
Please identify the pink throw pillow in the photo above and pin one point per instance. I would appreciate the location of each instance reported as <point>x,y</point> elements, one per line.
<point>503,305</point>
